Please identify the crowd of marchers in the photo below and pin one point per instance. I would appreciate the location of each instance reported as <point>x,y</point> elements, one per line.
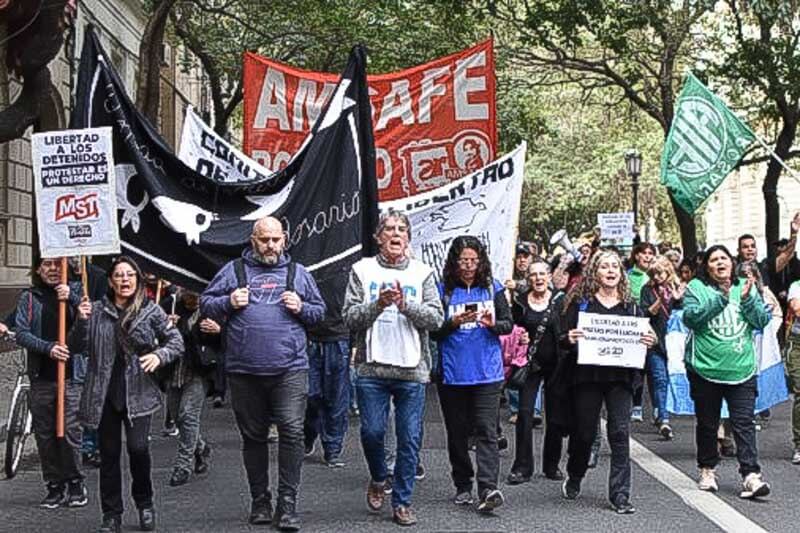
<point>251,339</point>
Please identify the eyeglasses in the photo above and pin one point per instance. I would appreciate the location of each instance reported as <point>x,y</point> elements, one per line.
<point>124,275</point>
<point>469,261</point>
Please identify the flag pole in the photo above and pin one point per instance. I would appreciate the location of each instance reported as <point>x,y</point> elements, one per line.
<point>61,367</point>
<point>791,172</point>
<point>84,277</point>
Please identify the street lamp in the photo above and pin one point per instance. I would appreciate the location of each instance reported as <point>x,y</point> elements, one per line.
<point>633,163</point>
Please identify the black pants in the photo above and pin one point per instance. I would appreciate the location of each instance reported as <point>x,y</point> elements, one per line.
<point>523,459</point>
<point>589,398</point>
<point>472,410</point>
<point>257,402</point>
<point>59,457</point>
<point>554,435</point>
<point>707,397</point>
<point>109,435</point>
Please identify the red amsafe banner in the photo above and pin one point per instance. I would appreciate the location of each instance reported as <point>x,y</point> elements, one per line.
<point>433,123</point>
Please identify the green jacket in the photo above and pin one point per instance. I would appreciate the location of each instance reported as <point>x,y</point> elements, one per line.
<point>637,279</point>
<point>720,347</point>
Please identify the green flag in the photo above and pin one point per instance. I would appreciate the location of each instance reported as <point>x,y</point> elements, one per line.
<point>705,142</point>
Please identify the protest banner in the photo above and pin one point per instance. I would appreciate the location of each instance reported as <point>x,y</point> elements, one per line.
<point>612,340</point>
<point>484,204</point>
<point>434,123</point>
<point>75,187</point>
<point>183,226</point>
<point>212,156</point>
<point>617,227</point>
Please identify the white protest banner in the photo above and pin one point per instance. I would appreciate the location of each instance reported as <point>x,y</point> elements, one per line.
<point>612,340</point>
<point>75,186</point>
<point>615,226</point>
<point>204,151</point>
<point>484,204</point>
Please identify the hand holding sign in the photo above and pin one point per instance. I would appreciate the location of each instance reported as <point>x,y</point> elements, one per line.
<point>612,340</point>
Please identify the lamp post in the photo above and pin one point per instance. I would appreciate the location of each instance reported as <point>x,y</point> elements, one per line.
<point>633,164</point>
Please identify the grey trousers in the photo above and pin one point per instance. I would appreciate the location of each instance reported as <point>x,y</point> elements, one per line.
<point>60,458</point>
<point>187,403</point>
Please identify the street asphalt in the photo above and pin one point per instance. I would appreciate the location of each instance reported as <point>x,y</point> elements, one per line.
<point>333,499</point>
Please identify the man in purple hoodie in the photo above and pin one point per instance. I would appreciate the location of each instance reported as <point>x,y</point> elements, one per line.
<point>267,302</point>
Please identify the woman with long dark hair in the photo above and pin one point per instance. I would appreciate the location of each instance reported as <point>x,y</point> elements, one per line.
<point>538,312</point>
<point>603,290</point>
<point>476,314</point>
<point>723,311</point>
<point>126,338</point>
<point>660,296</point>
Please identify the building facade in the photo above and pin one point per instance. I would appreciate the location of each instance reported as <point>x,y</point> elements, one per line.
<point>119,25</point>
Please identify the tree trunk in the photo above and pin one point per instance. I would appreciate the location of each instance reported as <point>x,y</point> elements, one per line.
<point>148,88</point>
<point>772,208</point>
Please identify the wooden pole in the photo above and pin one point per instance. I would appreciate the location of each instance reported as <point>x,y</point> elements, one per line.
<point>84,277</point>
<point>158,291</point>
<point>62,367</point>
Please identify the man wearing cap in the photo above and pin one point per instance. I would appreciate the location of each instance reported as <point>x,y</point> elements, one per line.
<point>522,260</point>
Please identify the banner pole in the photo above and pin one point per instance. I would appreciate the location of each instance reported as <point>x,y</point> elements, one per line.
<point>84,277</point>
<point>158,291</point>
<point>791,172</point>
<point>61,367</point>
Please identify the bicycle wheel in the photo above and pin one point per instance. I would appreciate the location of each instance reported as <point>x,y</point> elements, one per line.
<point>18,428</point>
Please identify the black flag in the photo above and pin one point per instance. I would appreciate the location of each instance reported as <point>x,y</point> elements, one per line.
<point>183,226</point>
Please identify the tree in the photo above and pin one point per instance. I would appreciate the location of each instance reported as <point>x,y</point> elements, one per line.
<point>148,86</point>
<point>33,37</point>
<point>762,73</point>
<point>636,48</point>
<point>316,37</point>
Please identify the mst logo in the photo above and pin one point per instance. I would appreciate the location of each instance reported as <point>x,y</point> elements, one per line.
<point>74,207</point>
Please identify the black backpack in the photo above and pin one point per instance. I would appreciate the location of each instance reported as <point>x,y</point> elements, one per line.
<point>241,275</point>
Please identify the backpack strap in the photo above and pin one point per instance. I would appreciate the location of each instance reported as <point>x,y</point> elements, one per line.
<point>291,271</point>
<point>241,274</point>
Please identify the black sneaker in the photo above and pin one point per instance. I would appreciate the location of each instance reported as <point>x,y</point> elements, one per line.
<point>201,459</point>
<point>517,478</point>
<point>261,510</point>
<point>555,475</point>
<point>463,498</point>
<point>218,402</point>
<point>571,488</point>
<point>147,519</point>
<point>180,476</point>
<point>286,518</point>
<point>622,506</point>
<point>335,461</point>
<point>387,487</point>
<point>490,500</point>
<point>76,494</point>
<point>419,475</point>
<point>110,524</point>
<point>56,495</point>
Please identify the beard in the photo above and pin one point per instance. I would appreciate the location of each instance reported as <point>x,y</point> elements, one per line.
<point>266,259</point>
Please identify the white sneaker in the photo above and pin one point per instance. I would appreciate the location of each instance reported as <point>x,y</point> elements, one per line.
<point>708,480</point>
<point>796,457</point>
<point>754,487</point>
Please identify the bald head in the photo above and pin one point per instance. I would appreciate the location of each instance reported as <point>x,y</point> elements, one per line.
<point>267,240</point>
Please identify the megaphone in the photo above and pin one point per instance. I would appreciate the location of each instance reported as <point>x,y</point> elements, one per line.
<point>561,238</point>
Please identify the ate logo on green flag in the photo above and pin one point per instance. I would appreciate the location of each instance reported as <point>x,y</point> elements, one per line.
<point>704,144</point>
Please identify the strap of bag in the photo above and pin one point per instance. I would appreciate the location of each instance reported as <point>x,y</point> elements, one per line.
<point>540,329</point>
<point>241,274</point>
<point>291,270</point>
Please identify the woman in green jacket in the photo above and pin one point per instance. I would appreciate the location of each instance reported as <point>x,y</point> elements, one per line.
<point>723,311</point>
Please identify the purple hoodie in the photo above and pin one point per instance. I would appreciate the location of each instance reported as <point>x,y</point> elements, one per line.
<point>263,338</point>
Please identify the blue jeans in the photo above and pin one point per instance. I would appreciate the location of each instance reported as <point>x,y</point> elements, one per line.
<point>328,395</point>
<point>659,384</point>
<point>408,397</point>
